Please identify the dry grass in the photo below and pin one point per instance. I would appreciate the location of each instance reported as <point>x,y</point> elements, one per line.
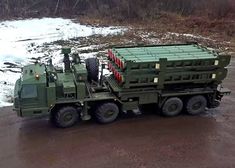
<point>219,34</point>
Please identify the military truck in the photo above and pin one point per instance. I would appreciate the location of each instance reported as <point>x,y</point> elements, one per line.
<point>175,78</point>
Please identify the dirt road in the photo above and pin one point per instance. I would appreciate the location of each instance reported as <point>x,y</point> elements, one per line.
<point>145,141</point>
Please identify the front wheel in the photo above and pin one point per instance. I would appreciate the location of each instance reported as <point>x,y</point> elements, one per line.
<point>65,117</point>
<point>106,113</point>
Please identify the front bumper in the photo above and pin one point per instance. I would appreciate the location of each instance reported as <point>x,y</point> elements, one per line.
<point>30,112</point>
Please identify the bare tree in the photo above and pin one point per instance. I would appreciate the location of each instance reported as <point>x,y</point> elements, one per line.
<point>56,8</point>
<point>75,4</point>
<point>117,9</point>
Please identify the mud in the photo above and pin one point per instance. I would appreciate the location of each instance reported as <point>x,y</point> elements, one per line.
<point>145,141</point>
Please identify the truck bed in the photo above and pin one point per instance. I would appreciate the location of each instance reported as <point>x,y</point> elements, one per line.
<point>166,64</point>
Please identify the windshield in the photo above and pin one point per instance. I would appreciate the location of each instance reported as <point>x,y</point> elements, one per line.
<point>29,91</point>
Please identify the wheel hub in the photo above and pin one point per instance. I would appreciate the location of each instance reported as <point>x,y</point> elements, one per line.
<point>173,107</point>
<point>108,114</point>
<point>68,117</point>
<point>197,105</point>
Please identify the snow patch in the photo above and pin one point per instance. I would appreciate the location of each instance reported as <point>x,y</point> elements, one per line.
<point>22,40</point>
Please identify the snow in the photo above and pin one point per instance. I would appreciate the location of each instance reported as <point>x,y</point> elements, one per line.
<point>21,40</point>
<point>6,90</point>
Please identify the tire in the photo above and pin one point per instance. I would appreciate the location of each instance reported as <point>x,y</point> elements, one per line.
<point>107,113</point>
<point>65,117</point>
<point>196,105</point>
<point>172,107</point>
<point>92,66</point>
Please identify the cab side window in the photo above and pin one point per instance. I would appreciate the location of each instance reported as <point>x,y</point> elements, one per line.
<point>29,91</point>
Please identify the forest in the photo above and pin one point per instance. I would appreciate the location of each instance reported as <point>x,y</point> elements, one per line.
<point>116,9</point>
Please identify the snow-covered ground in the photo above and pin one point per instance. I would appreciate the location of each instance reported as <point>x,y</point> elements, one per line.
<point>22,40</point>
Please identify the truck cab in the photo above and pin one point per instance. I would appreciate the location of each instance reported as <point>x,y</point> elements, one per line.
<point>30,91</point>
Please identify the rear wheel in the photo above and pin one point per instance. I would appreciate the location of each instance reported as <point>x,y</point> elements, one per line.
<point>107,113</point>
<point>172,107</point>
<point>196,105</point>
<point>65,117</point>
<point>92,65</point>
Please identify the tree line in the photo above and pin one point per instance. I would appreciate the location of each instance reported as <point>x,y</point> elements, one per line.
<point>117,9</point>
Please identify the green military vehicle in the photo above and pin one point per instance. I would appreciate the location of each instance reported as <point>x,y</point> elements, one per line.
<point>176,78</point>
